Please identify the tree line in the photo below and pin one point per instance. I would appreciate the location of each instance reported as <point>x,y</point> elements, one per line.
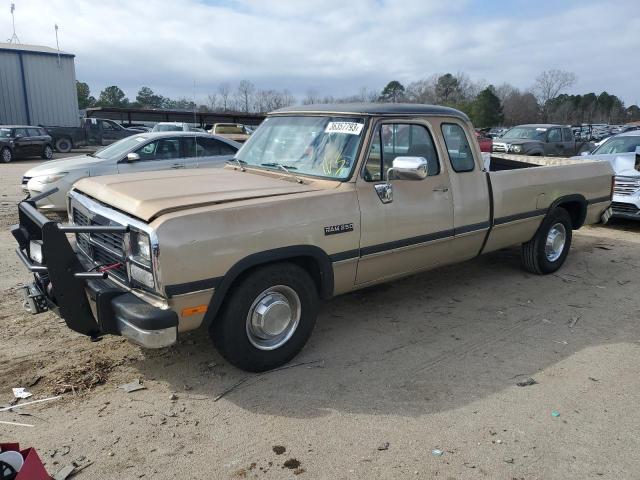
<point>486,105</point>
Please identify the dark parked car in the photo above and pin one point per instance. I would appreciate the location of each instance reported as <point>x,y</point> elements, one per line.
<point>538,139</point>
<point>92,131</point>
<point>18,141</point>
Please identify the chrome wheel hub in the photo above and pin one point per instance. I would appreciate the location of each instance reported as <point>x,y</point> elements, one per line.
<point>6,155</point>
<point>556,239</point>
<point>273,317</point>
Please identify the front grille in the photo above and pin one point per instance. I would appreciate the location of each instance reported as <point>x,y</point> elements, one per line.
<point>626,185</point>
<point>625,208</point>
<point>499,147</point>
<point>25,180</point>
<point>101,248</point>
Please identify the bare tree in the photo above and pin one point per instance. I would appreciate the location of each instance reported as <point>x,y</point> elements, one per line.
<point>224,90</point>
<point>212,102</point>
<point>244,94</point>
<point>312,97</point>
<point>519,108</point>
<point>549,84</point>
<point>423,91</point>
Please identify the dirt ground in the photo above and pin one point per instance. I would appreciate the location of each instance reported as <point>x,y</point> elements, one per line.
<point>429,363</point>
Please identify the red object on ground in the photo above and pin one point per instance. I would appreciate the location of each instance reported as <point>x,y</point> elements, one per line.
<point>32,468</point>
<point>486,143</point>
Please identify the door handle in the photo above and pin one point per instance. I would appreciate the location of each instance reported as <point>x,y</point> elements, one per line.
<point>441,189</point>
<point>177,165</point>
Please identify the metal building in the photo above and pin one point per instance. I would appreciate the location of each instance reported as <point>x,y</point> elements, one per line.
<point>37,86</point>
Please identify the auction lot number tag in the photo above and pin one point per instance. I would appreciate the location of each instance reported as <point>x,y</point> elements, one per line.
<point>351,128</point>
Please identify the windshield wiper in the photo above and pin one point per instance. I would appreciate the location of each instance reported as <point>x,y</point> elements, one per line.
<point>239,162</point>
<point>285,168</point>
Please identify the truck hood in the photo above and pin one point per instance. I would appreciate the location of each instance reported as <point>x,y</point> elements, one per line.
<point>622,163</point>
<point>147,195</point>
<point>516,141</point>
<point>63,165</point>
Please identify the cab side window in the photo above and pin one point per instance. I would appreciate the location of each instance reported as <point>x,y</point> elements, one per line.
<point>458,148</point>
<point>399,140</point>
<point>554,135</point>
<point>163,149</point>
<point>209,147</point>
<point>567,133</point>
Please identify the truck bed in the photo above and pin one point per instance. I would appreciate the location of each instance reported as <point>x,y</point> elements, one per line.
<point>522,193</point>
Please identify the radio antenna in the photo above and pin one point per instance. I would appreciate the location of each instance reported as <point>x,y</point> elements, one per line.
<point>14,38</point>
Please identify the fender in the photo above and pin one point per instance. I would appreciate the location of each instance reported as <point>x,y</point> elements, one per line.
<point>573,198</point>
<point>223,284</point>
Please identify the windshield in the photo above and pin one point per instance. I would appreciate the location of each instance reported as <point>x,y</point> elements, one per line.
<point>167,128</point>
<point>319,146</point>
<point>618,145</point>
<point>119,148</point>
<point>5,132</point>
<point>526,133</point>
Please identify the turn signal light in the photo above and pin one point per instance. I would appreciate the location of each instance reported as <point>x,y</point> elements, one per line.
<point>194,310</point>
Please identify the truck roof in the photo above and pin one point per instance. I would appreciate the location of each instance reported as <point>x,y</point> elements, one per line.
<point>375,109</point>
<point>541,125</point>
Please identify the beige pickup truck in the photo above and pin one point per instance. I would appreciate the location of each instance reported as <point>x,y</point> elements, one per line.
<point>320,201</point>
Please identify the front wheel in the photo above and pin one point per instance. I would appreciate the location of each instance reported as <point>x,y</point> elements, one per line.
<point>268,317</point>
<point>548,249</point>
<point>6,155</point>
<point>47,152</point>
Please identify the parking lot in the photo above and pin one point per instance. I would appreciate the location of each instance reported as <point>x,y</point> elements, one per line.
<point>414,379</point>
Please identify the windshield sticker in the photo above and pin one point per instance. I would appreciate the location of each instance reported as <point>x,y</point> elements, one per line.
<point>541,129</point>
<point>351,128</point>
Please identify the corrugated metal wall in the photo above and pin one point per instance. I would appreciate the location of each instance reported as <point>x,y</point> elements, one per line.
<point>50,88</point>
<point>12,106</point>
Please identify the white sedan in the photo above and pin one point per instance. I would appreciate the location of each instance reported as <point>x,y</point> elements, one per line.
<point>143,152</point>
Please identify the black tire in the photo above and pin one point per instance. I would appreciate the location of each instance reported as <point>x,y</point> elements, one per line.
<point>230,330</point>
<point>47,152</point>
<point>6,155</point>
<point>64,145</point>
<point>535,257</point>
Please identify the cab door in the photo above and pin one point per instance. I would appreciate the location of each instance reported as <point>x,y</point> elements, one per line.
<point>406,225</point>
<point>22,143</point>
<point>554,145</point>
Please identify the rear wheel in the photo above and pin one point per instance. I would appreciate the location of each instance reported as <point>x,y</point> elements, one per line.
<point>6,155</point>
<point>47,152</point>
<point>64,145</point>
<point>267,318</point>
<point>547,250</point>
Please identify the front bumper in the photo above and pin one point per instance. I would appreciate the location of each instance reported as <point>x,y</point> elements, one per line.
<point>626,210</point>
<point>88,301</point>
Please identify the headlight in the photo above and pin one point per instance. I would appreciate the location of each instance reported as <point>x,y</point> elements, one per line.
<point>516,148</point>
<point>140,247</point>
<point>50,178</point>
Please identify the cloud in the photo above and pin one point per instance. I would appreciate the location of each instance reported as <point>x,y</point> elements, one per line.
<point>333,46</point>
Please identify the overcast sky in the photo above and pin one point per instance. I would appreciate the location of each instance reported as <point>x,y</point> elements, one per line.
<point>335,46</point>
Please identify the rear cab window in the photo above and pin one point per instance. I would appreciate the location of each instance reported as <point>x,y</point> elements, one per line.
<point>458,148</point>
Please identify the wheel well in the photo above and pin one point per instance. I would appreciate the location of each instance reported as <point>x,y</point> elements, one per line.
<point>312,259</point>
<point>309,264</point>
<point>577,210</point>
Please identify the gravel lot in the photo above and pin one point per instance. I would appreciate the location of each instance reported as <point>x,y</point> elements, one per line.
<point>429,362</point>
